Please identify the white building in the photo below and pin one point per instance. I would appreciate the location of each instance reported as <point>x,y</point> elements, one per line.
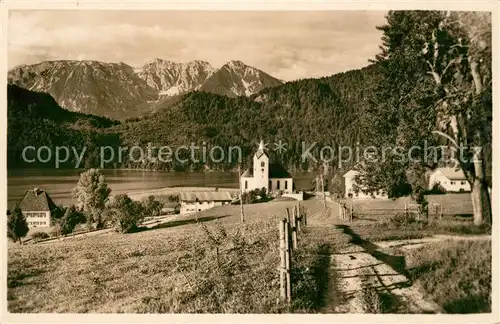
<point>272,176</point>
<point>451,179</point>
<point>192,202</point>
<point>351,193</point>
<point>37,207</point>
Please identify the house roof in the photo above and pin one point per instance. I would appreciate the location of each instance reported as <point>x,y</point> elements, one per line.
<point>36,200</point>
<point>205,196</point>
<point>452,173</point>
<point>351,174</point>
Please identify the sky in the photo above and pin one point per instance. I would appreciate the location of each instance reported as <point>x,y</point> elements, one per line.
<point>287,45</point>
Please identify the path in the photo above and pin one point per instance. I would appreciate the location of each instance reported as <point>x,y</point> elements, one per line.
<point>364,264</point>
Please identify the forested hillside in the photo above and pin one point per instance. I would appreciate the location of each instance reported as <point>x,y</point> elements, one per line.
<point>35,119</point>
<point>327,111</point>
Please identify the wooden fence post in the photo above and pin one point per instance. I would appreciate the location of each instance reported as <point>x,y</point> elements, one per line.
<point>282,268</point>
<point>299,220</point>
<point>288,262</point>
<point>293,225</point>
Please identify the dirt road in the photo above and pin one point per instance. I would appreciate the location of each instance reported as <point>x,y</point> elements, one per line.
<point>364,269</point>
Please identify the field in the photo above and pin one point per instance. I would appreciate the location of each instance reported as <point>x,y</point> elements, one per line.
<point>210,262</point>
<point>453,205</point>
<point>171,268</point>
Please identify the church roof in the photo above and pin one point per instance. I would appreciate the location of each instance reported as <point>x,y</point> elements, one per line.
<point>248,173</point>
<point>276,170</point>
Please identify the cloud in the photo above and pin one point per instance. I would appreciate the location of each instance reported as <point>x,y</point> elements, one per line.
<point>288,45</point>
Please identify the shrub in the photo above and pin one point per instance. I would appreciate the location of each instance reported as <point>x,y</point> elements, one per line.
<point>37,236</point>
<point>57,213</point>
<point>254,196</point>
<point>152,207</point>
<point>173,198</point>
<point>71,218</point>
<point>437,189</point>
<point>403,219</point>
<point>125,213</point>
<point>56,231</point>
<point>262,193</point>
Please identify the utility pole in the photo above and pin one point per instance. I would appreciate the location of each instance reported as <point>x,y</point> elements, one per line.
<point>241,195</point>
<point>323,172</point>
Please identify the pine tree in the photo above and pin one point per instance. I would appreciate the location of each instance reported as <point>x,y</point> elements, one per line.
<point>17,227</point>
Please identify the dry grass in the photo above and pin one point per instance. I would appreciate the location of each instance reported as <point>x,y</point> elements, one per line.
<point>375,300</point>
<point>456,273</point>
<point>217,266</point>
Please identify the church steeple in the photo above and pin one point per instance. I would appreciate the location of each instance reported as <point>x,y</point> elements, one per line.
<point>260,150</point>
<point>261,145</point>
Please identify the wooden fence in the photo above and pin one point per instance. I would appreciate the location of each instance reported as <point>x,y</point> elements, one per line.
<point>345,209</point>
<point>289,229</point>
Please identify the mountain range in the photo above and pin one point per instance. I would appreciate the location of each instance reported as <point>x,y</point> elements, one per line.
<point>325,111</point>
<point>120,91</point>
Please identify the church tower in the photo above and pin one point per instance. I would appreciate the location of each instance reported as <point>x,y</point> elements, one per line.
<point>261,168</point>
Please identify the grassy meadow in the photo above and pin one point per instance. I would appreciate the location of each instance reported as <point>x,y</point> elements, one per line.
<point>216,266</point>
<point>453,205</point>
<point>457,274</point>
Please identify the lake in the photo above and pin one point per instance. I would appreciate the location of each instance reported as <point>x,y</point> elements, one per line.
<point>58,183</point>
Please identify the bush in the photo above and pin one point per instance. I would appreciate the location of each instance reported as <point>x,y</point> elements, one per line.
<point>57,213</point>
<point>152,207</point>
<point>255,196</point>
<point>39,236</point>
<point>125,213</point>
<point>56,231</point>
<point>403,219</point>
<point>71,218</point>
<point>437,189</point>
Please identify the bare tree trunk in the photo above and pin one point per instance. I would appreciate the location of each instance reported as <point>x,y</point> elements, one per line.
<point>480,196</point>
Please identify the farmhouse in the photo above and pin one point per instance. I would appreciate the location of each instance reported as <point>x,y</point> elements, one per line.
<point>451,179</point>
<point>350,191</point>
<point>272,176</point>
<point>192,202</point>
<point>37,207</point>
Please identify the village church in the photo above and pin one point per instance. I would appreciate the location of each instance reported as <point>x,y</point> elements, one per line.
<point>272,176</point>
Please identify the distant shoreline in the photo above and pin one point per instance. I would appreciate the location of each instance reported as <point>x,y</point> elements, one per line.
<point>175,190</point>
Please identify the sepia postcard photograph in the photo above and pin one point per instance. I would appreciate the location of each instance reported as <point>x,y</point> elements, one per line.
<point>249,159</point>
